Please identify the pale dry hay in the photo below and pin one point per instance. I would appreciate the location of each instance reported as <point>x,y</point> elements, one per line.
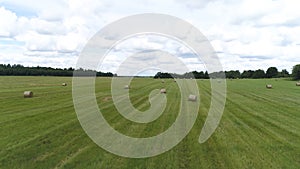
<point>269,86</point>
<point>192,97</point>
<point>163,91</point>
<point>107,98</point>
<point>28,94</point>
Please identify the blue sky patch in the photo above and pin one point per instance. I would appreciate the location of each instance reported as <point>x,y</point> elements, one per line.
<point>19,10</point>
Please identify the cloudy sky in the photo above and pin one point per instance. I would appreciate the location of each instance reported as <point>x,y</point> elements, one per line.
<point>246,34</point>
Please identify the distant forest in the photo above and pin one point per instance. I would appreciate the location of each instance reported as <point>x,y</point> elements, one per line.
<point>20,70</point>
<point>272,72</point>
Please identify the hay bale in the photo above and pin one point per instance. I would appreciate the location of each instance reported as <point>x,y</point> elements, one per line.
<point>298,84</point>
<point>126,87</point>
<point>28,94</point>
<point>269,86</point>
<point>64,84</point>
<point>163,91</point>
<point>192,97</point>
<point>163,81</point>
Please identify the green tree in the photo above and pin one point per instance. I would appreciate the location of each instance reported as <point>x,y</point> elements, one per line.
<point>198,75</point>
<point>247,74</point>
<point>296,72</point>
<point>206,75</point>
<point>272,72</point>
<point>162,75</point>
<point>283,73</point>
<point>233,74</point>
<point>259,74</point>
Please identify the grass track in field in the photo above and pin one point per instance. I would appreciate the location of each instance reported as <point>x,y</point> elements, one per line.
<point>259,129</point>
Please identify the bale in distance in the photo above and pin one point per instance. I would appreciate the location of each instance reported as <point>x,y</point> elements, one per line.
<point>298,84</point>
<point>163,91</point>
<point>192,97</point>
<point>269,86</point>
<point>64,84</point>
<point>126,87</point>
<point>28,94</point>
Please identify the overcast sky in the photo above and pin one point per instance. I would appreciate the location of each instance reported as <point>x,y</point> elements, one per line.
<point>246,34</point>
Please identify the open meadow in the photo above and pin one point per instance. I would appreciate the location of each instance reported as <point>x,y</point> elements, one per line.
<point>260,127</point>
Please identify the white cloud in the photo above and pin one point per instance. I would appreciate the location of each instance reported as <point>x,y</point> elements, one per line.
<point>247,34</point>
<point>8,22</point>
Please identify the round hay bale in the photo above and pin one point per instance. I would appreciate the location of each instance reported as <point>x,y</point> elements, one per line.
<point>64,84</point>
<point>126,87</point>
<point>298,84</point>
<point>28,94</point>
<point>163,81</point>
<point>269,86</point>
<point>192,97</point>
<point>163,91</point>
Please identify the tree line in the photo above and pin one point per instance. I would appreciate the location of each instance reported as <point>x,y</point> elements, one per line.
<point>272,72</point>
<point>193,74</point>
<point>20,70</point>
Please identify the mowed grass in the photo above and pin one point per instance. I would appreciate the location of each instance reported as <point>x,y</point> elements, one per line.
<point>260,127</point>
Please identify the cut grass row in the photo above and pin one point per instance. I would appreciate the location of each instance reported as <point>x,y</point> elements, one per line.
<point>259,129</point>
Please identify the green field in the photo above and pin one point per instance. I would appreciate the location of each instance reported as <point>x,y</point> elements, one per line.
<point>260,127</point>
